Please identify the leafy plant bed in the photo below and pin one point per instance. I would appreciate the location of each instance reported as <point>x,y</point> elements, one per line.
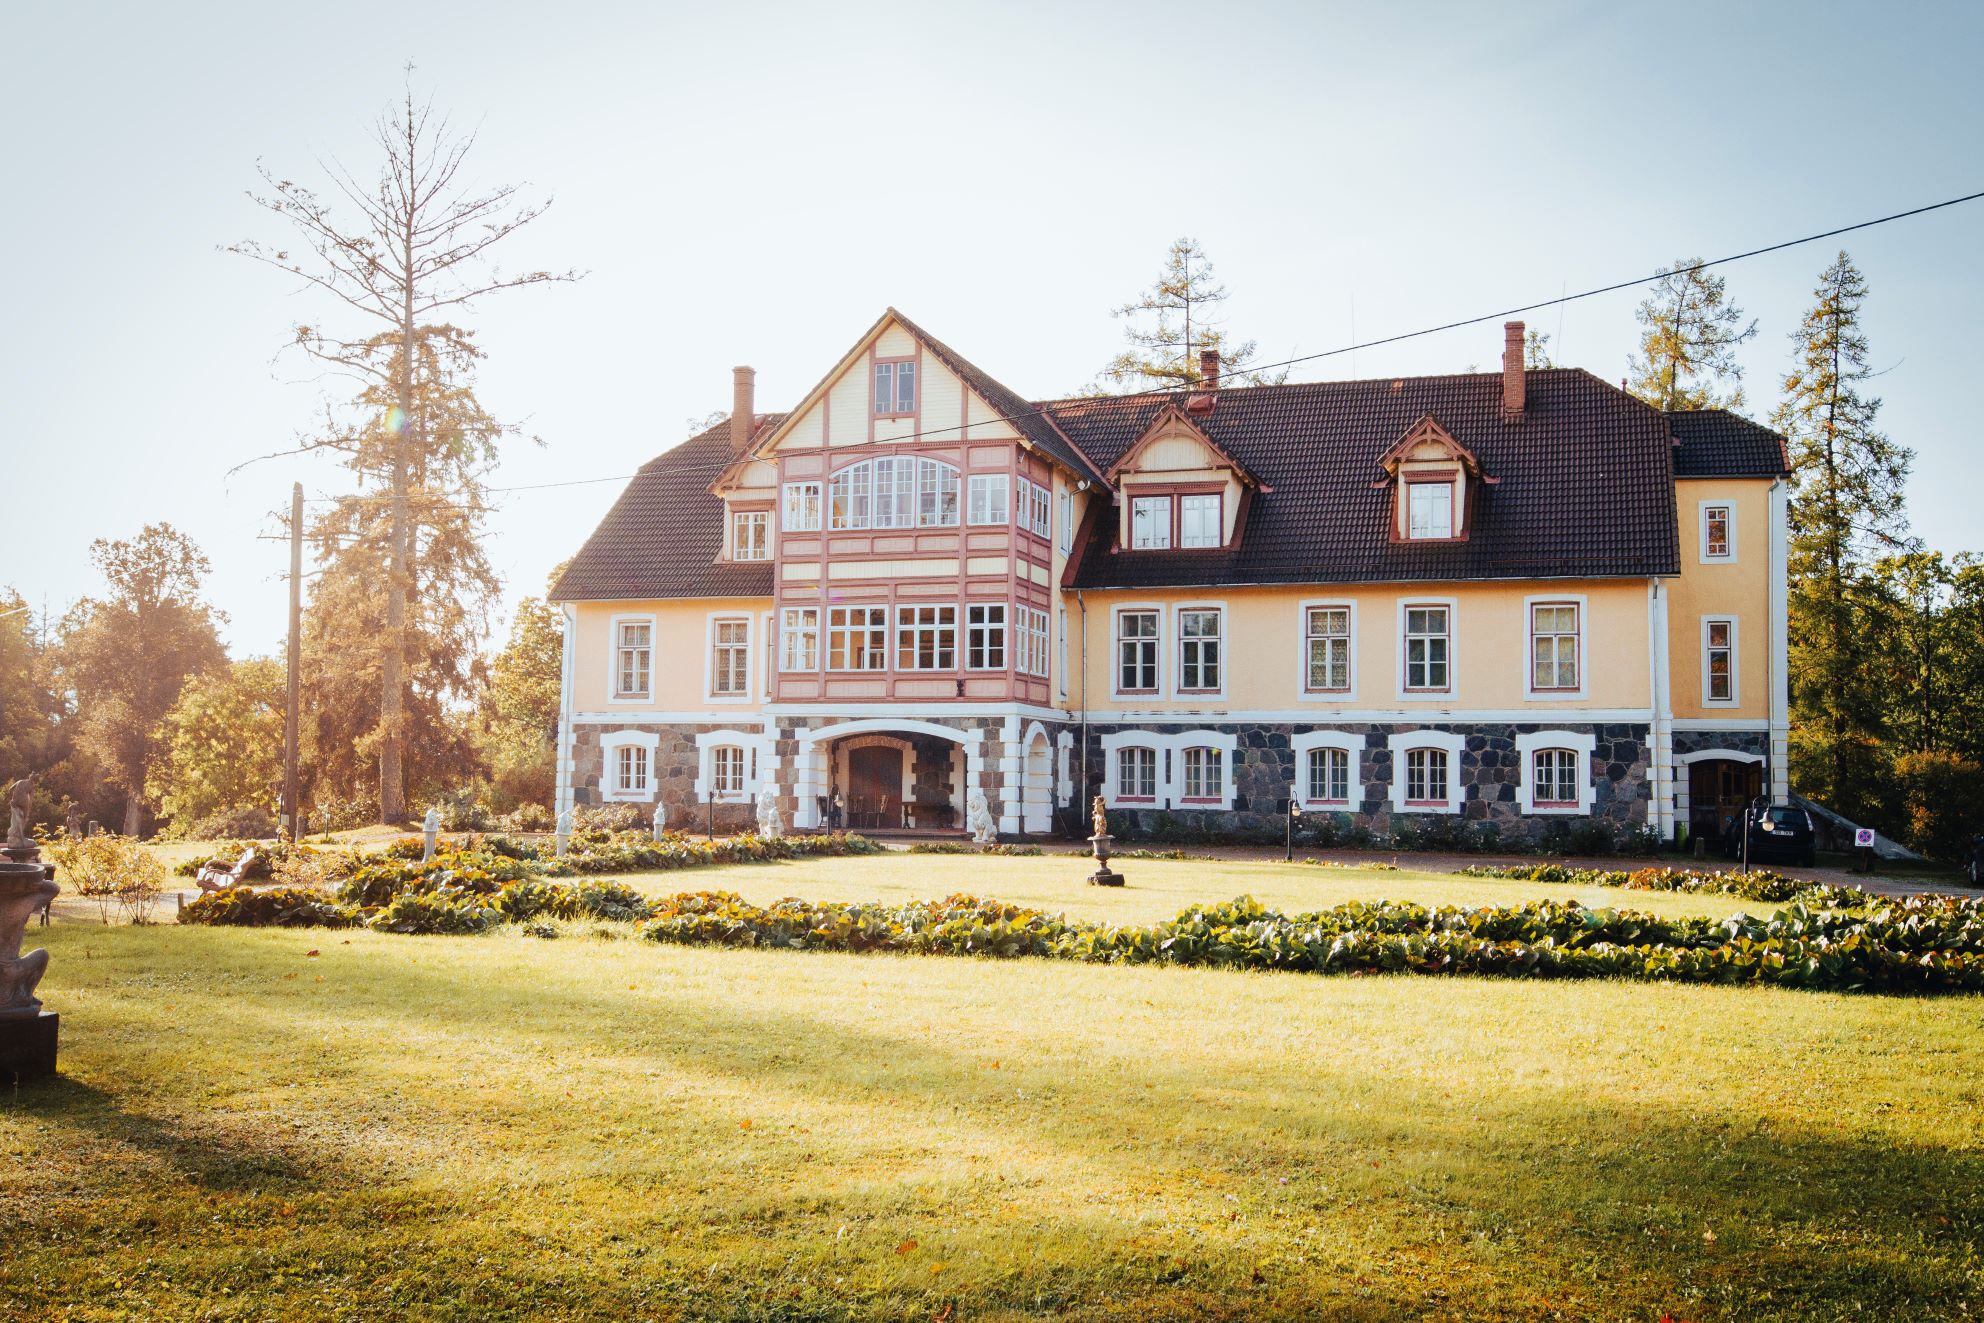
<point>1758,884</point>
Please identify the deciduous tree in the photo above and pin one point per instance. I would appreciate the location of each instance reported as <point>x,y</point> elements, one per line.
<point>222,744</point>
<point>520,708</point>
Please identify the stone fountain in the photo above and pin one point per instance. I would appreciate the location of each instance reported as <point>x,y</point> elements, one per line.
<point>27,1032</point>
<point>1103,876</point>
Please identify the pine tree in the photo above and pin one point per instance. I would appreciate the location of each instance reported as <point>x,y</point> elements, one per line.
<point>1536,350</point>
<point>1688,344</point>
<point>1174,321</point>
<point>1846,507</point>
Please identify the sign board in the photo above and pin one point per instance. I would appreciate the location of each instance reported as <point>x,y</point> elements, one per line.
<point>1863,838</point>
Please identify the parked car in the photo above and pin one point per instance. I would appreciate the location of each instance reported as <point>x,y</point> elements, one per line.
<point>1779,833</point>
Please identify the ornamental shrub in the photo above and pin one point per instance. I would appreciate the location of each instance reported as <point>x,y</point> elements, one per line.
<point>275,907</point>
<point>442,910</point>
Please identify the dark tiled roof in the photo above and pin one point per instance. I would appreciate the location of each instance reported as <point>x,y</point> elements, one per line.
<point>663,536</point>
<point>1030,419</point>
<point>1585,482</point>
<point>1715,443</point>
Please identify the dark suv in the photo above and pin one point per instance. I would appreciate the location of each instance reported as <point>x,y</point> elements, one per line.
<point>1780,833</point>
<point>1974,862</point>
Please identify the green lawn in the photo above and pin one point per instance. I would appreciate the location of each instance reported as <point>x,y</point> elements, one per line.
<point>1157,889</point>
<point>507,1128</point>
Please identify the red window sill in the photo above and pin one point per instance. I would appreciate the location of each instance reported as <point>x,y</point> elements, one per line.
<point>1326,803</point>
<point>1202,693</point>
<point>1326,692</point>
<point>1426,803</point>
<point>1556,804</point>
<point>1136,799</point>
<point>1136,693</point>
<point>888,416</point>
<point>1200,799</point>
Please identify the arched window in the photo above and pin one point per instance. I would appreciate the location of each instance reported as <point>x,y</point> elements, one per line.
<point>1136,773</point>
<point>894,491</point>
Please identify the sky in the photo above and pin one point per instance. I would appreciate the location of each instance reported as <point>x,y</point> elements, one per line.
<point>754,184</point>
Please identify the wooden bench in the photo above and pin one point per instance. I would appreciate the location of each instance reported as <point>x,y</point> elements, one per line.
<point>212,877</point>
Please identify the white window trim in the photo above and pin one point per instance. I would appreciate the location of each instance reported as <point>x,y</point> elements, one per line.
<point>1170,517</point>
<point>1451,741</point>
<point>1302,693</point>
<point>1008,638</point>
<point>1170,784</point>
<point>958,639</point>
<point>737,518</point>
<point>1007,502</point>
<point>1582,743</point>
<point>1307,742</point>
<point>1225,651</point>
<point>1702,544</point>
<point>1116,689</point>
<point>1529,689</point>
<point>1067,517</point>
<point>610,744</point>
<point>1060,645</point>
<point>819,639</point>
<point>613,623</point>
<point>786,491</point>
<point>757,760</point>
<point>1451,694</point>
<point>1735,698</point>
<point>751,683</point>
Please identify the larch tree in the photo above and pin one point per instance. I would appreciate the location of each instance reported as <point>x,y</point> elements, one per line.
<point>401,257</point>
<point>127,655</point>
<point>1536,350</point>
<point>1689,331</point>
<point>1172,323</point>
<point>1846,509</point>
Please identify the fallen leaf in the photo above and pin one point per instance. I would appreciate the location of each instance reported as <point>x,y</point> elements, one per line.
<point>1708,1238</point>
<point>745,1124</point>
<point>906,1247</point>
<point>936,1268</point>
<point>307,955</point>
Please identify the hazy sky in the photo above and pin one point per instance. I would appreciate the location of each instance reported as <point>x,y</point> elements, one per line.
<point>754,184</point>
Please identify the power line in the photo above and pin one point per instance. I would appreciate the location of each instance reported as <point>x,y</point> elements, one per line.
<point>1046,411</point>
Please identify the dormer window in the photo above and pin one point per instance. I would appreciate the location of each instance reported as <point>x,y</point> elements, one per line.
<point>1150,523</point>
<point>1430,509</point>
<point>895,387</point>
<point>750,535</point>
<point>1199,521</point>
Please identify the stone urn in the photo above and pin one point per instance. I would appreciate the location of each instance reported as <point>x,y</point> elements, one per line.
<point>1103,876</point>
<point>27,1032</point>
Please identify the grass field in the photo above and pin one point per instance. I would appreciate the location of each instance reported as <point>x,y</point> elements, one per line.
<point>596,1127</point>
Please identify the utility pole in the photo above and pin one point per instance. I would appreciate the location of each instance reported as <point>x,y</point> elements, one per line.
<point>291,809</point>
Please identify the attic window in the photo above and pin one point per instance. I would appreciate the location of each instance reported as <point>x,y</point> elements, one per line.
<point>1430,509</point>
<point>895,387</point>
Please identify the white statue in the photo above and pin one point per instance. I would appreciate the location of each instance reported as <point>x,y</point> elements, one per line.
<point>978,817</point>
<point>430,829</point>
<point>564,829</point>
<point>771,824</point>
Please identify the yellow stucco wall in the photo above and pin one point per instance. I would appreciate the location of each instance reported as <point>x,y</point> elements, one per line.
<point>1739,588</point>
<point>681,652</point>
<point>1265,651</point>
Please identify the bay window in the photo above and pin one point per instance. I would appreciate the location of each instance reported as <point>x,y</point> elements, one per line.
<point>802,508</point>
<point>858,638</point>
<point>926,638</point>
<point>894,491</point>
<point>1033,513</point>
<point>799,639</point>
<point>987,498</point>
<point>985,636</point>
<point>1032,642</point>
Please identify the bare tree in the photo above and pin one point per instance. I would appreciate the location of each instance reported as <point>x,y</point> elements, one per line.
<point>406,254</point>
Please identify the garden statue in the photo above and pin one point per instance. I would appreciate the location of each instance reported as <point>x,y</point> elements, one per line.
<point>1104,875</point>
<point>564,830</point>
<point>20,803</point>
<point>660,824</point>
<point>27,1033</point>
<point>430,829</point>
<point>72,821</point>
<point>771,825</point>
<point>978,817</point>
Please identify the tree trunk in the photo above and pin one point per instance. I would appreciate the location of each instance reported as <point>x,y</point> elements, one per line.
<point>134,815</point>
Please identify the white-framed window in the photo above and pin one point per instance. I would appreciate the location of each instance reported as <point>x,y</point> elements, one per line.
<point>801,513</point>
<point>799,639</point>
<point>727,771</point>
<point>750,535</point>
<point>1329,776</point>
<point>1201,633</point>
<point>1428,646</point>
<point>627,765</point>
<point>1720,681</point>
<point>633,658</point>
<point>1067,520</point>
<point>986,503</point>
<point>1136,651</point>
<point>1426,770</point>
<point>1555,645</point>
<point>1136,773</point>
<point>895,387</point>
<point>1201,520</point>
<point>1429,509</point>
<point>1033,511</point>
<point>1718,532</point>
<point>894,491</point>
<point>926,638</point>
<point>1555,774</point>
<point>985,636</point>
<point>1326,649</point>
<point>1204,774</point>
<point>1032,641</point>
<point>858,638</point>
<point>730,657</point>
<point>1150,523</point>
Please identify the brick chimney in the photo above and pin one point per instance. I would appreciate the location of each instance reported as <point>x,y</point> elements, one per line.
<point>1514,389</point>
<point>1209,369</point>
<point>743,408</point>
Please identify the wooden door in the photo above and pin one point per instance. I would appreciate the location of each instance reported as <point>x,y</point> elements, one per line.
<point>874,775</point>
<point>1718,789</point>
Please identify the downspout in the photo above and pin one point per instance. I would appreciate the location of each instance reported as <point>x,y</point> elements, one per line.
<point>1082,805</point>
<point>1661,694</point>
<point>562,798</point>
<point>1777,710</point>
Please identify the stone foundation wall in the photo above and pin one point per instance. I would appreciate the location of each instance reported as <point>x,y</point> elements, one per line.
<point>1740,741</point>
<point>1489,770</point>
<point>672,774</point>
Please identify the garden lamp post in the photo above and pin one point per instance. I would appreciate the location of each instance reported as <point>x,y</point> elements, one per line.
<point>1294,816</point>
